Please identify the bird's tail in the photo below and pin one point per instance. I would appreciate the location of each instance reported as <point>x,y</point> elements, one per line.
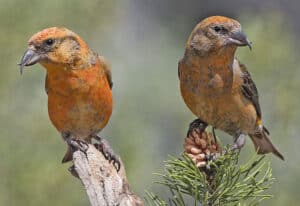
<point>68,156</point>
<point>263,144</point>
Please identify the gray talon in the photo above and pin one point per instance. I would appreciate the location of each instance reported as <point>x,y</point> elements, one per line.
<point>108,153</point>
<point>239,142</point>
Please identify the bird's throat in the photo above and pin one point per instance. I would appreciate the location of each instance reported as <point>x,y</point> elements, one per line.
<point>215,60</point>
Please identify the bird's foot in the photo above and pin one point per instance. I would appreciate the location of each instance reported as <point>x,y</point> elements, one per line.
<point>197,124</point>
<point>239,142</point>
<point>106,150</point>
<point>214,134</point>
<point>211,157</point>
<point>78,144</point>
<point>74,144</point>
<point>73,171</point>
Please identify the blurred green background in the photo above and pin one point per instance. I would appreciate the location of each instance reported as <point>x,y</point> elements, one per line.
<point>143,41</point>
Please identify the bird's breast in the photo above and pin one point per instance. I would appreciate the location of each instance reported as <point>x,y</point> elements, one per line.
<point>213,95</point>
<point>79,102</point>
<point>207,81</point>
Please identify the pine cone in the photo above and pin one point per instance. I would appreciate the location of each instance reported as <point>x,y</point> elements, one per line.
<point>200,146</point>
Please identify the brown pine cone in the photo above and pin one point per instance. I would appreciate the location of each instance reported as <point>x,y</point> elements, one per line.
<point>200,145</point>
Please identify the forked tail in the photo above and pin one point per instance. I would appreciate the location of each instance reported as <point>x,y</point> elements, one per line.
<point>69,155</point>
<point>263,144</point>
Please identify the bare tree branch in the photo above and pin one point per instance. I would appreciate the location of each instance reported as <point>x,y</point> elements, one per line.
<point>103,184</point>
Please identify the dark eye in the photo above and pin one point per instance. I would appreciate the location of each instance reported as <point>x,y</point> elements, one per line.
<point>217,28</point>
<point>49,42</point>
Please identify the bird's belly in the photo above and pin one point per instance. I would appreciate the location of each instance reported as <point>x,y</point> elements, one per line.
<point>80,115</point>
<point>223,109</point>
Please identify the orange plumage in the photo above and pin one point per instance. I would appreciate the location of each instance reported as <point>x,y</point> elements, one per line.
<point>217,88</point>
<point>78,83</point>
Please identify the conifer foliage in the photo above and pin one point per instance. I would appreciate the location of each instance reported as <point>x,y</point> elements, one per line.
<point>206,176</point>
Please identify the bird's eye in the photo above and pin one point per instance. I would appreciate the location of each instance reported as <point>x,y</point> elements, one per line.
<point>217,28</point>
<point>49,42</point>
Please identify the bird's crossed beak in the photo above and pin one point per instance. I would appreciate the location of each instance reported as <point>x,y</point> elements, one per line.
<point>240,39</point>
<point>29,58</point>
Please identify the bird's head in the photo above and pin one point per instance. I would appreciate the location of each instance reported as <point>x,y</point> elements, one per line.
<point>57,48</point>
<point>217,33</point>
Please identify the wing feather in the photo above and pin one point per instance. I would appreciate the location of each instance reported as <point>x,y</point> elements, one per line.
<point>107,70</point>
<point>249,89</point>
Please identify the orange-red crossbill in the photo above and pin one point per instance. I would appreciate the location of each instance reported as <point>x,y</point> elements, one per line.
<point>78,84</point>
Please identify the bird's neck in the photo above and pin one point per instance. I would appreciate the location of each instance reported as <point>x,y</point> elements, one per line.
<point>217,59</point>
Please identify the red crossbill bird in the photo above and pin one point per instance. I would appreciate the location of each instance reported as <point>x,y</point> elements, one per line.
<point>78,85</point>
<point>217,88</point>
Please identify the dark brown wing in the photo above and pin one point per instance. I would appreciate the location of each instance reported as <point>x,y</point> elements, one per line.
<point>179,65</point>
<point>249,89</point>
<point>109,78</point>
<point>46,84</point>
<point>107,71</point>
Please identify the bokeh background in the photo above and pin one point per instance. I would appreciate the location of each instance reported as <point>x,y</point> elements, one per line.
<point>143,40</point>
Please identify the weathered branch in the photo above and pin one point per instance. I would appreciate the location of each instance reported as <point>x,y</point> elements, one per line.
<point>103,184</point>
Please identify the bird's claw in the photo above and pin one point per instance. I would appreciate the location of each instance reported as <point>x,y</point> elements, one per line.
<point>211,157</point>
<point>239,142</point>
<point>196,124</point>
<point>78,144</point>
<point>73,171</point>
<point>108,153</point>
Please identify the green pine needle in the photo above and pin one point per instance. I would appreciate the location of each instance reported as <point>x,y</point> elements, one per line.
<point>231,183</point>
